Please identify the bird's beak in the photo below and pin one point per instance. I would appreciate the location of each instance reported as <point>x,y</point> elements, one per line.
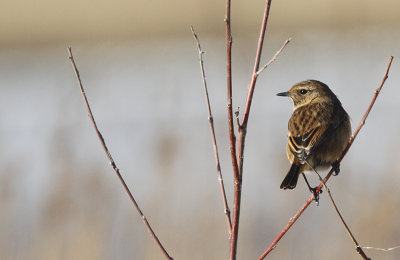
<point>283,94</point>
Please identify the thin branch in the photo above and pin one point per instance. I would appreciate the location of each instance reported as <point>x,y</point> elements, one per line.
<point>112,163</point>
<point>242,129</point>
<point>351,140</point>
<point>358,248</point>
<point>214,140</point>
<point>256,65</point>
<point>274,57</point>
<point>232,138</point>
<point>381,249</point>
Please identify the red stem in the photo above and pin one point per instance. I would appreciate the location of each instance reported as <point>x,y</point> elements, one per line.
<point>256,65</point>
<point>232,137</point>
<point>238,168</point>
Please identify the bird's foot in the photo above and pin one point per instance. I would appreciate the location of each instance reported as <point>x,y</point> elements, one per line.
<point>316,194</point>
<point>336,168</point>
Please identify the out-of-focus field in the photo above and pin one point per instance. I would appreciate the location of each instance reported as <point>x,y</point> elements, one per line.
<point>60,198</point>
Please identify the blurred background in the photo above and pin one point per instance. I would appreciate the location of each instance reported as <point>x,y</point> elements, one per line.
<point>138,61</point>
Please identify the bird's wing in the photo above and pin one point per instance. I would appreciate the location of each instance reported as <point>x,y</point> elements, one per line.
<point>307,129</point>
<point>303,145</point>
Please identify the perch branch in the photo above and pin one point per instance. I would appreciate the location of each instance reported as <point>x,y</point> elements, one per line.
<point>358,248</point>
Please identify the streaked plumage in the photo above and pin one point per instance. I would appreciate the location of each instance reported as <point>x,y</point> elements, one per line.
<point>318,130</point>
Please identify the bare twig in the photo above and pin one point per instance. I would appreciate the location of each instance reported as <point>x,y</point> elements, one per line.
<point>214,140</point>
<point>351,140</point>
<point>242,129</point>
<point>381,249</point>
<point>254,76</point>
<point>359,249</point>
<point>274,57</point>
<point>112,163</point>
<point>232,138</point>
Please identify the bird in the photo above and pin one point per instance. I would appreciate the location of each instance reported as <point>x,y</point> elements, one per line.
<point>318,131</point>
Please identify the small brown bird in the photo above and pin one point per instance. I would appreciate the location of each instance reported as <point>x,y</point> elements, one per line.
<point>318,130</point>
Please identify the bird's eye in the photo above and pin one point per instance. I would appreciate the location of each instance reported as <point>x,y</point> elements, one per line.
<point>303,91</point>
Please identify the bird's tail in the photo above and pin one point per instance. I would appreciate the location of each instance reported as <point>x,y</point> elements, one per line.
<point>292,176</point>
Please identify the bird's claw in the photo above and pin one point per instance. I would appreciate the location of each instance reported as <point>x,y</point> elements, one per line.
<point>316,194</point>
<point>336,168</point>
